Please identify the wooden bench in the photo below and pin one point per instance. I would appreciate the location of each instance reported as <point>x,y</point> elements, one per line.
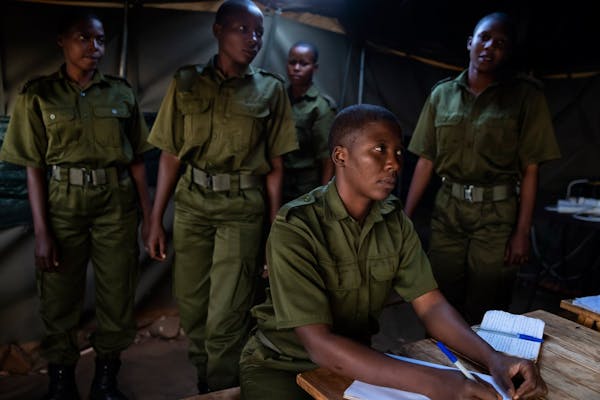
<point>585,317</point>
<point>225,394</point>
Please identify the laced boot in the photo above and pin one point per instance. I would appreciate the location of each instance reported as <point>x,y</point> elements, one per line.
<point>62,384</point>
<point>104,385</point>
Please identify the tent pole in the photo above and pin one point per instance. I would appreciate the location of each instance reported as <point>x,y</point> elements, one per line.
<point>346,72</point>
<point>361,77</point>
<point>3,105</point>
<point>124,40</point>
<point>272,30</point>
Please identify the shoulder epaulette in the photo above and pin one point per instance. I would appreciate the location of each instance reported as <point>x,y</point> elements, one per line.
<point>530,79</point>
<point>30,82</point>
<point>448,79</point>
<point>301,201</point>
<point>186,74</point>
<point>273,74</point>
<point>118,79</point>
<point>330,101</point>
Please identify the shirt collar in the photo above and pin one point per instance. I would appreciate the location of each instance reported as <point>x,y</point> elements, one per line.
<point>96,79</point>
<point>311,93</point>
<point>335,209</point>
<point>212,66</point>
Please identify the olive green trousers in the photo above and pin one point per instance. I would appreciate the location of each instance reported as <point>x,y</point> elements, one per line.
<point>217,238</point>
<point>97,224</point>
<point>466,250</point>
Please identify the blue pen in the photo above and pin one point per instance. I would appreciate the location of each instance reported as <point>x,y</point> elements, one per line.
<point>513,335</point>
<point>455,361</point>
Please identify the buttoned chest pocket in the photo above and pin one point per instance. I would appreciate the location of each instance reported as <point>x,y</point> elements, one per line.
<point>196,118</point>
<point>248,122</point>
<point>341,276</point>
<point>60,126</point>
<point>449,134</point>
<point>497,141</point>
<point>383,272</point>
<point>304,135</point>
<point>110,124</point>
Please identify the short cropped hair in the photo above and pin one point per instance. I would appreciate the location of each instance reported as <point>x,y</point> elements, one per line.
<point>229,7</point>
<point>352,119</point>
<point>510,27</point>
<point>72,17</point>
<point>311,46</point>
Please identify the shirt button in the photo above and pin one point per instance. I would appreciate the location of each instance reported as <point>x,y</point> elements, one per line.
<point>82,94</point>
<point>306,198</point>
<point>52,116</point>
<point>114,111</point>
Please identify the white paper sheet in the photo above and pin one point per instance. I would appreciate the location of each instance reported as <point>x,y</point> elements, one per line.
<point>363,391</point>
<point>591,303</point>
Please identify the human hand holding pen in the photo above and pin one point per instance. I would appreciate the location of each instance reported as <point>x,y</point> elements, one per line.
<point>474,392</point>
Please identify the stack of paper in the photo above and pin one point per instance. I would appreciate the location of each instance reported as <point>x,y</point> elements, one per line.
<point>591,303</point>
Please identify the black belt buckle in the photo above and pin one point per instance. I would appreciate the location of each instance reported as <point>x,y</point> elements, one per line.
<point>468,192</point>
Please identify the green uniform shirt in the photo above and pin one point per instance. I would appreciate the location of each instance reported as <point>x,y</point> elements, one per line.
<point>325,268</point>
<point>486,139</point>
<point>56,122</point>
<point>225,125</point>
<point>313,114</point>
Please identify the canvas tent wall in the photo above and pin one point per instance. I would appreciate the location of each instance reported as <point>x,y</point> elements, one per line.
<point>382,52</point>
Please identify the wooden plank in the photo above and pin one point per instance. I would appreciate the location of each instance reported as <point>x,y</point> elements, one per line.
<point>570,340</point>
<point>225,394</point>
<point>586,317</point>
<point>323,384</point>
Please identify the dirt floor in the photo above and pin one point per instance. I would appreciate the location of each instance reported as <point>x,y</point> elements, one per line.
<point>156,368</point>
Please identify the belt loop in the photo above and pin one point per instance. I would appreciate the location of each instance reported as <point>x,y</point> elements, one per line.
<point>234,185</point>
<point>191,184</point>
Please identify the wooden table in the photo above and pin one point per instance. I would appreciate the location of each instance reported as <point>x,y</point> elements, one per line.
<point>584,316</point>
<point>569,362</point>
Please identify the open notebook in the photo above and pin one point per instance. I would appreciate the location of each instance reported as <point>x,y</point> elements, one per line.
<point>497,327</point>
<point>363,391</point>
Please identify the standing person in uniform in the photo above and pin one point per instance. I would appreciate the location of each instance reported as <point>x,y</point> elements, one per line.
<point>334,256</point>
<point>310,165</point>
<point>87,131</point>
<point>228,124</point>
<point>484,133</point>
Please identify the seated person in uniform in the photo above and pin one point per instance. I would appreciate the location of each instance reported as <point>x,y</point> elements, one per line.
<point>334,257</point>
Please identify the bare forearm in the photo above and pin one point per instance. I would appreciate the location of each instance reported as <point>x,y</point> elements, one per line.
<point>137,169</point>
<point>168,169</point>
<point>527,195</point>
<point>36,191</point>
<point>274,182</point>
<point>418,184</point>
<point>444,323</point>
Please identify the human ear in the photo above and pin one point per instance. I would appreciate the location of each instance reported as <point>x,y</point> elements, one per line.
<point>338,156</point>
<point>469,42</point>
<point>217,29</point>
<point>59,41</point>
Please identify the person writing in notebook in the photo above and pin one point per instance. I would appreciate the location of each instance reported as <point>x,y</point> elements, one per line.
<point>335,255</point>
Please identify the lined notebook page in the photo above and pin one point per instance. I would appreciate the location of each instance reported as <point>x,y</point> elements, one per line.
<point>511,323</point>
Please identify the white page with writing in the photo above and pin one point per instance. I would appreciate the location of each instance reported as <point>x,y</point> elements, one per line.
<point>511,323</point>
<point>363,391</point>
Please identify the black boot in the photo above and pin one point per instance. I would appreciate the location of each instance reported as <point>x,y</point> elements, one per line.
<point>62,384</point>
<point>104,385</point>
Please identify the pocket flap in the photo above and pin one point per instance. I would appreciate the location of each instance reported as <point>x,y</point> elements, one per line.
<point>119,111</point>
<point>54,115</point>
<point>192,105</point>
<point>254,110</point>
<point>448,120</point>
<point>383,269</point>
